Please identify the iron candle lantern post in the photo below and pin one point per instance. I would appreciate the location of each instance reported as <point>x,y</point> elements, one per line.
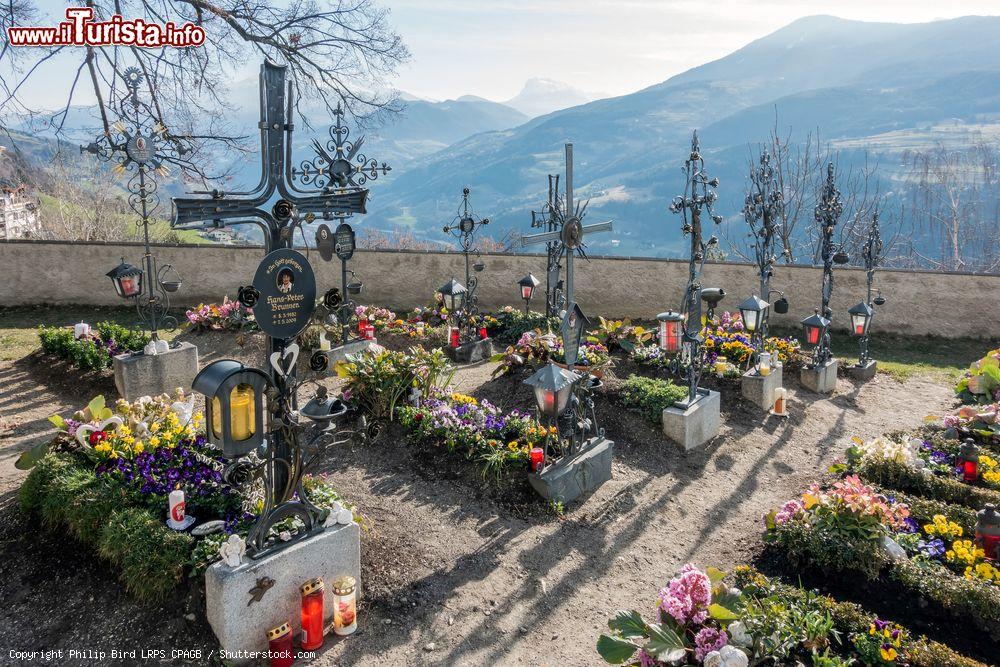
<point>127,280</point>
<point>454,292</point>
<point>988,531</point>
<point>553,388</point>
<point>464,228</point>
<point>234,405</point>
<point>872,255</point>
<point>671,331</point>
<point>815,327</point>
<point>753,310</point>
<point>764,213</point>
<point>827,213</point>
<point>527,285</point>
<point>861,317</point>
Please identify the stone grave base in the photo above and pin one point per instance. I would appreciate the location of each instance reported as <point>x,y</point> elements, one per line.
<point>340,352</point>
<point>470,353</point>
<point>151,374</point>
<point>241,625</point>
<point>863,373</point>
<point>694,425</point>
<point>822,379</point>
<point>760,389</point>
<point>576,475</point>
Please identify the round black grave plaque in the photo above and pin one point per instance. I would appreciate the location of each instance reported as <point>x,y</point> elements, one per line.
<point>287,289</point>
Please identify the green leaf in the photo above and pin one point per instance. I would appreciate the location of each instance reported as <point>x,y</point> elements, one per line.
<point>720,613</point>
<point>58,422</point>
<point>664,643</point>
<point>29,457</point>
<point>628,624</point>
<point>613,650</point>
<point>769,522</point>
<point>715,575</point>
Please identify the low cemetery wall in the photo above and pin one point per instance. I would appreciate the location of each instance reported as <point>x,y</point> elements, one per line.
<point>918,302</point>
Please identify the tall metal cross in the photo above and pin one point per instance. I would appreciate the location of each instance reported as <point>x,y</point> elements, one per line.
<point>277,205</point>
<point>872,255</point>
<point>699,194</point>
<point>464,227</point>
<point>763,210</point>
<point>571,237</point>
<point>827,214</point>
<point>551,219</point>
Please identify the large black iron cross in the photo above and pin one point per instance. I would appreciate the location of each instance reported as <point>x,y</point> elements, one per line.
<point>827,213</point>
<point>571,237</point>
<point>278,207</point>
<point>551,219</point>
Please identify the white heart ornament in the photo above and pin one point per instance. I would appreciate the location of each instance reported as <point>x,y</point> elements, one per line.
<point>279,363</point>
<point>84,431</point>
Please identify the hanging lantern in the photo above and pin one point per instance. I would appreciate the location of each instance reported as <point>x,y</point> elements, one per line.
<point>967,460</point>
<point>815,326</point>
<point>753,310</point>
<point>553,386</point>
<point>671,330</point>
<point>528,285</point>
<point>781,305</point>
<point>345,611</point>
<point>312,614</point>
<point>127,279</point>
<point>861,317</point>
<point>452,290</point>
<point>234,405</point>
<point>988,531</point>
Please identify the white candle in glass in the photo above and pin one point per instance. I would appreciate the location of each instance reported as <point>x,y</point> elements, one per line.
<point>176,505</point>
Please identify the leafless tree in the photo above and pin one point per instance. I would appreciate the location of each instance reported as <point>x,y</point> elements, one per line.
<point>336,51</point>
<point>403,238</point>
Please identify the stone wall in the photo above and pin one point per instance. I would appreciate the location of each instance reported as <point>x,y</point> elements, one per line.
<point>918,302</point>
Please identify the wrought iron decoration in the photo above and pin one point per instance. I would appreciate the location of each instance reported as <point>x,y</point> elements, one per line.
<point>464,227</point>
<point>551,218</point>
<point>872,255</point>
<point>140,144</point>
<point>278,205</point>
<point>699,195</point>
<point>827,213</point>
<point>763,211</point>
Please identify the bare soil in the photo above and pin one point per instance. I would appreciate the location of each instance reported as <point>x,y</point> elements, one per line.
<point>455,572</point>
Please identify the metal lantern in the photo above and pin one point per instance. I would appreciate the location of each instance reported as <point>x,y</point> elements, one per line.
<point>861,317</point>
<point>528,285</point>
<point>968,460</point>
<point>573,325</point>
<point>753,310</point>
<point>452,290</point>
<point>671,331</point>
<point>553,386</point>
<point>815,326</point>
<point>712,296</point>
<point>234,405</point>
<point>988,530</point>
<point>127,280</point>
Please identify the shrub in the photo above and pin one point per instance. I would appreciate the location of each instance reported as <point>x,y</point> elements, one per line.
<point>911,480</point>
<point>924,510</point>
<point>651,396</point>
<point>512,323</point>
<point>804,544</point>
<point>970,600</point>
<point>377,380</point>
<point>149,555</point>
<point>93,352</point>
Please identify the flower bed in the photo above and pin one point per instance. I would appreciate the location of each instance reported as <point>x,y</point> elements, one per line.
<point>95,350</point>
<point>225,316</point>
<point>106,477</point>
<point>377,381</point>
<point>706,618</point>
<point>650,396</point>
<point>981,383</point>
<point>535,349</point>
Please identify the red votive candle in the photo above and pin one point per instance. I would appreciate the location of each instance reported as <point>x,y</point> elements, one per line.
<point>537,458</point>
<point>970,470</point>
<point>369,331</point>
<point>482,333</point>
<point>279,645</point>
<point>860,329</point>
<point>312,614</point>
<point>453,336</point>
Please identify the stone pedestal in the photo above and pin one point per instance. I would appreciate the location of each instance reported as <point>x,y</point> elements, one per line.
<point>760,389</point>
<point>863,372</point>
<point>241,624</point>
<point>821,379</point>
<point>694,425</point>
<point>574,476</point>
<point>340,352</point>
<point>151,374</point>
<point>470,353</point>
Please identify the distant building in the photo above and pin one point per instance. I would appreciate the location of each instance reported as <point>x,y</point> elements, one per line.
<point>225,237</point>
<point>18,211</point>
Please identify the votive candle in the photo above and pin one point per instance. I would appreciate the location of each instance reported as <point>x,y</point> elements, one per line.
<point>312,614</point>
<point>279,645</point>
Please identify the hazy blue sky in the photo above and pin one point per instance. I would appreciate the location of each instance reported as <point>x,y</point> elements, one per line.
<point>489,48</point>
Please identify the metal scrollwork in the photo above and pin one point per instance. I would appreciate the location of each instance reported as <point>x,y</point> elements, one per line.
<point>339,162</point>
<point>872,256</point>
<point>827,213</point>
<point>699,194</point>
<point>464,227</point>
<point>763,211</point>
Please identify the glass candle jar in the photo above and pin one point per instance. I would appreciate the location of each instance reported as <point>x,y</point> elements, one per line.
<point>780,402</point>
<point>453,336</point>
<point>721,364</point>
<point>482,333</point>
<point>988,531</point>
<point>312,614</point>
<point>537,458</point>
<point>764,364</point>
<point>279,645</point>
<point>345,612</point>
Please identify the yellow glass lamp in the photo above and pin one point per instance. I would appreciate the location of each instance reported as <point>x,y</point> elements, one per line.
<point>234,403</point>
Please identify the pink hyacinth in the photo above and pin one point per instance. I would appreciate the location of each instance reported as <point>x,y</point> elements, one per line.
<point>687,596</point>
<point>787,512</point>
<point>708,640</point>
<point>646,660</point>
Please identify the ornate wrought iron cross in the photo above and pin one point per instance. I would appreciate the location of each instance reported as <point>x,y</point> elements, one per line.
<point>872,255</point>
<point>463,227</point>
<point>142,145</point>
<point>699,194</point>
<point>277,205</point>
<point>827,213</point>
<point>570,237</point>
<point>551,219</point>
<point>763,209</point>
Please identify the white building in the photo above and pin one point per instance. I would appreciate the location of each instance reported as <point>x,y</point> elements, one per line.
<point>18,212</point>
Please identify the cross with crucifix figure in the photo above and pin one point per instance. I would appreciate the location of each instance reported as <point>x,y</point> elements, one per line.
<point>283,294</point>
<point>571,236</point>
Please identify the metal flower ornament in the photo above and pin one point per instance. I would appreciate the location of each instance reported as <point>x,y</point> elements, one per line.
<point>827,213</point>
<point>339,162</point>
<point>699,195</point>
<point>140,145</point>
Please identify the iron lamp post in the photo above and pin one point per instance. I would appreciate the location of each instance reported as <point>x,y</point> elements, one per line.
<point>815,327</point>
<point>127,280</point>
<point>753,310</point>
<point>527,285</point>
<point>861,317</point>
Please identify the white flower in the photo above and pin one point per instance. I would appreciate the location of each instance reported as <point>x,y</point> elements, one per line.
<point>738,634</point>
<point>284,536</point>
<point>233,550</point>
<point>727,656</point>
<point>183,409</point>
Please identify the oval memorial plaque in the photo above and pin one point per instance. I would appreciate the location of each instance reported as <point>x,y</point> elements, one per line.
<point>287,289</point>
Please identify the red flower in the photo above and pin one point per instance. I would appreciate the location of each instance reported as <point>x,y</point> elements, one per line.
<point>418,417</point>
<point>96,437</point>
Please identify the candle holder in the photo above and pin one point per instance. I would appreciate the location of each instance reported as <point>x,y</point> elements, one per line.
<point>988,531</point>
<point>279,645</point>
<point>345,612</point>
<point>313,592</point>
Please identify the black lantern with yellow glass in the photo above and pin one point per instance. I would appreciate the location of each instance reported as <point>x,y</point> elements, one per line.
<point>234,405</point>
